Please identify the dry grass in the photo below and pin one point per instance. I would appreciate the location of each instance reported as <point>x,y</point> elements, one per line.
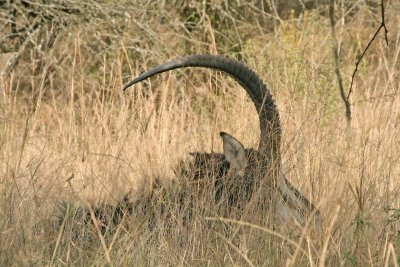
<point>68,132</point>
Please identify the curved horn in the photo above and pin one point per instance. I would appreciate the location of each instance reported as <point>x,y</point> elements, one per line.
<point>270,130</point>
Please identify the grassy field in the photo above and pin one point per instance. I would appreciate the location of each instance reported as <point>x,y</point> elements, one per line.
<point>69,134</point>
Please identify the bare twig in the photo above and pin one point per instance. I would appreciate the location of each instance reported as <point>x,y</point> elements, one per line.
<point>336,56</point>
<point>382,26</point>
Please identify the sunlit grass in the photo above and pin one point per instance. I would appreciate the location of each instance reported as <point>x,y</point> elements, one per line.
<point>69,133</point>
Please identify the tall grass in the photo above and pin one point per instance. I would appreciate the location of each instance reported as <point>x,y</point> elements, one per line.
<point>69,133</point>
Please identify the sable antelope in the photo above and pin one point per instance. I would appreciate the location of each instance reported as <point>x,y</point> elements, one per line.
<point>241,165</point>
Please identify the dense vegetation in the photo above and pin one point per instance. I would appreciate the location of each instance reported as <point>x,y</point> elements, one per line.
<point>74,147</point>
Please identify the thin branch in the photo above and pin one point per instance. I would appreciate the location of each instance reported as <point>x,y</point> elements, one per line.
<point>382,26</point>
<point>336,57</point>
<point>383,22</point>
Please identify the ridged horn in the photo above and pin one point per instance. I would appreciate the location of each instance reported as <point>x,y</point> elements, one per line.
<point>270,130</point>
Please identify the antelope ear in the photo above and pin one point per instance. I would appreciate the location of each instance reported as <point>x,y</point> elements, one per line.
<point>234,152</point>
